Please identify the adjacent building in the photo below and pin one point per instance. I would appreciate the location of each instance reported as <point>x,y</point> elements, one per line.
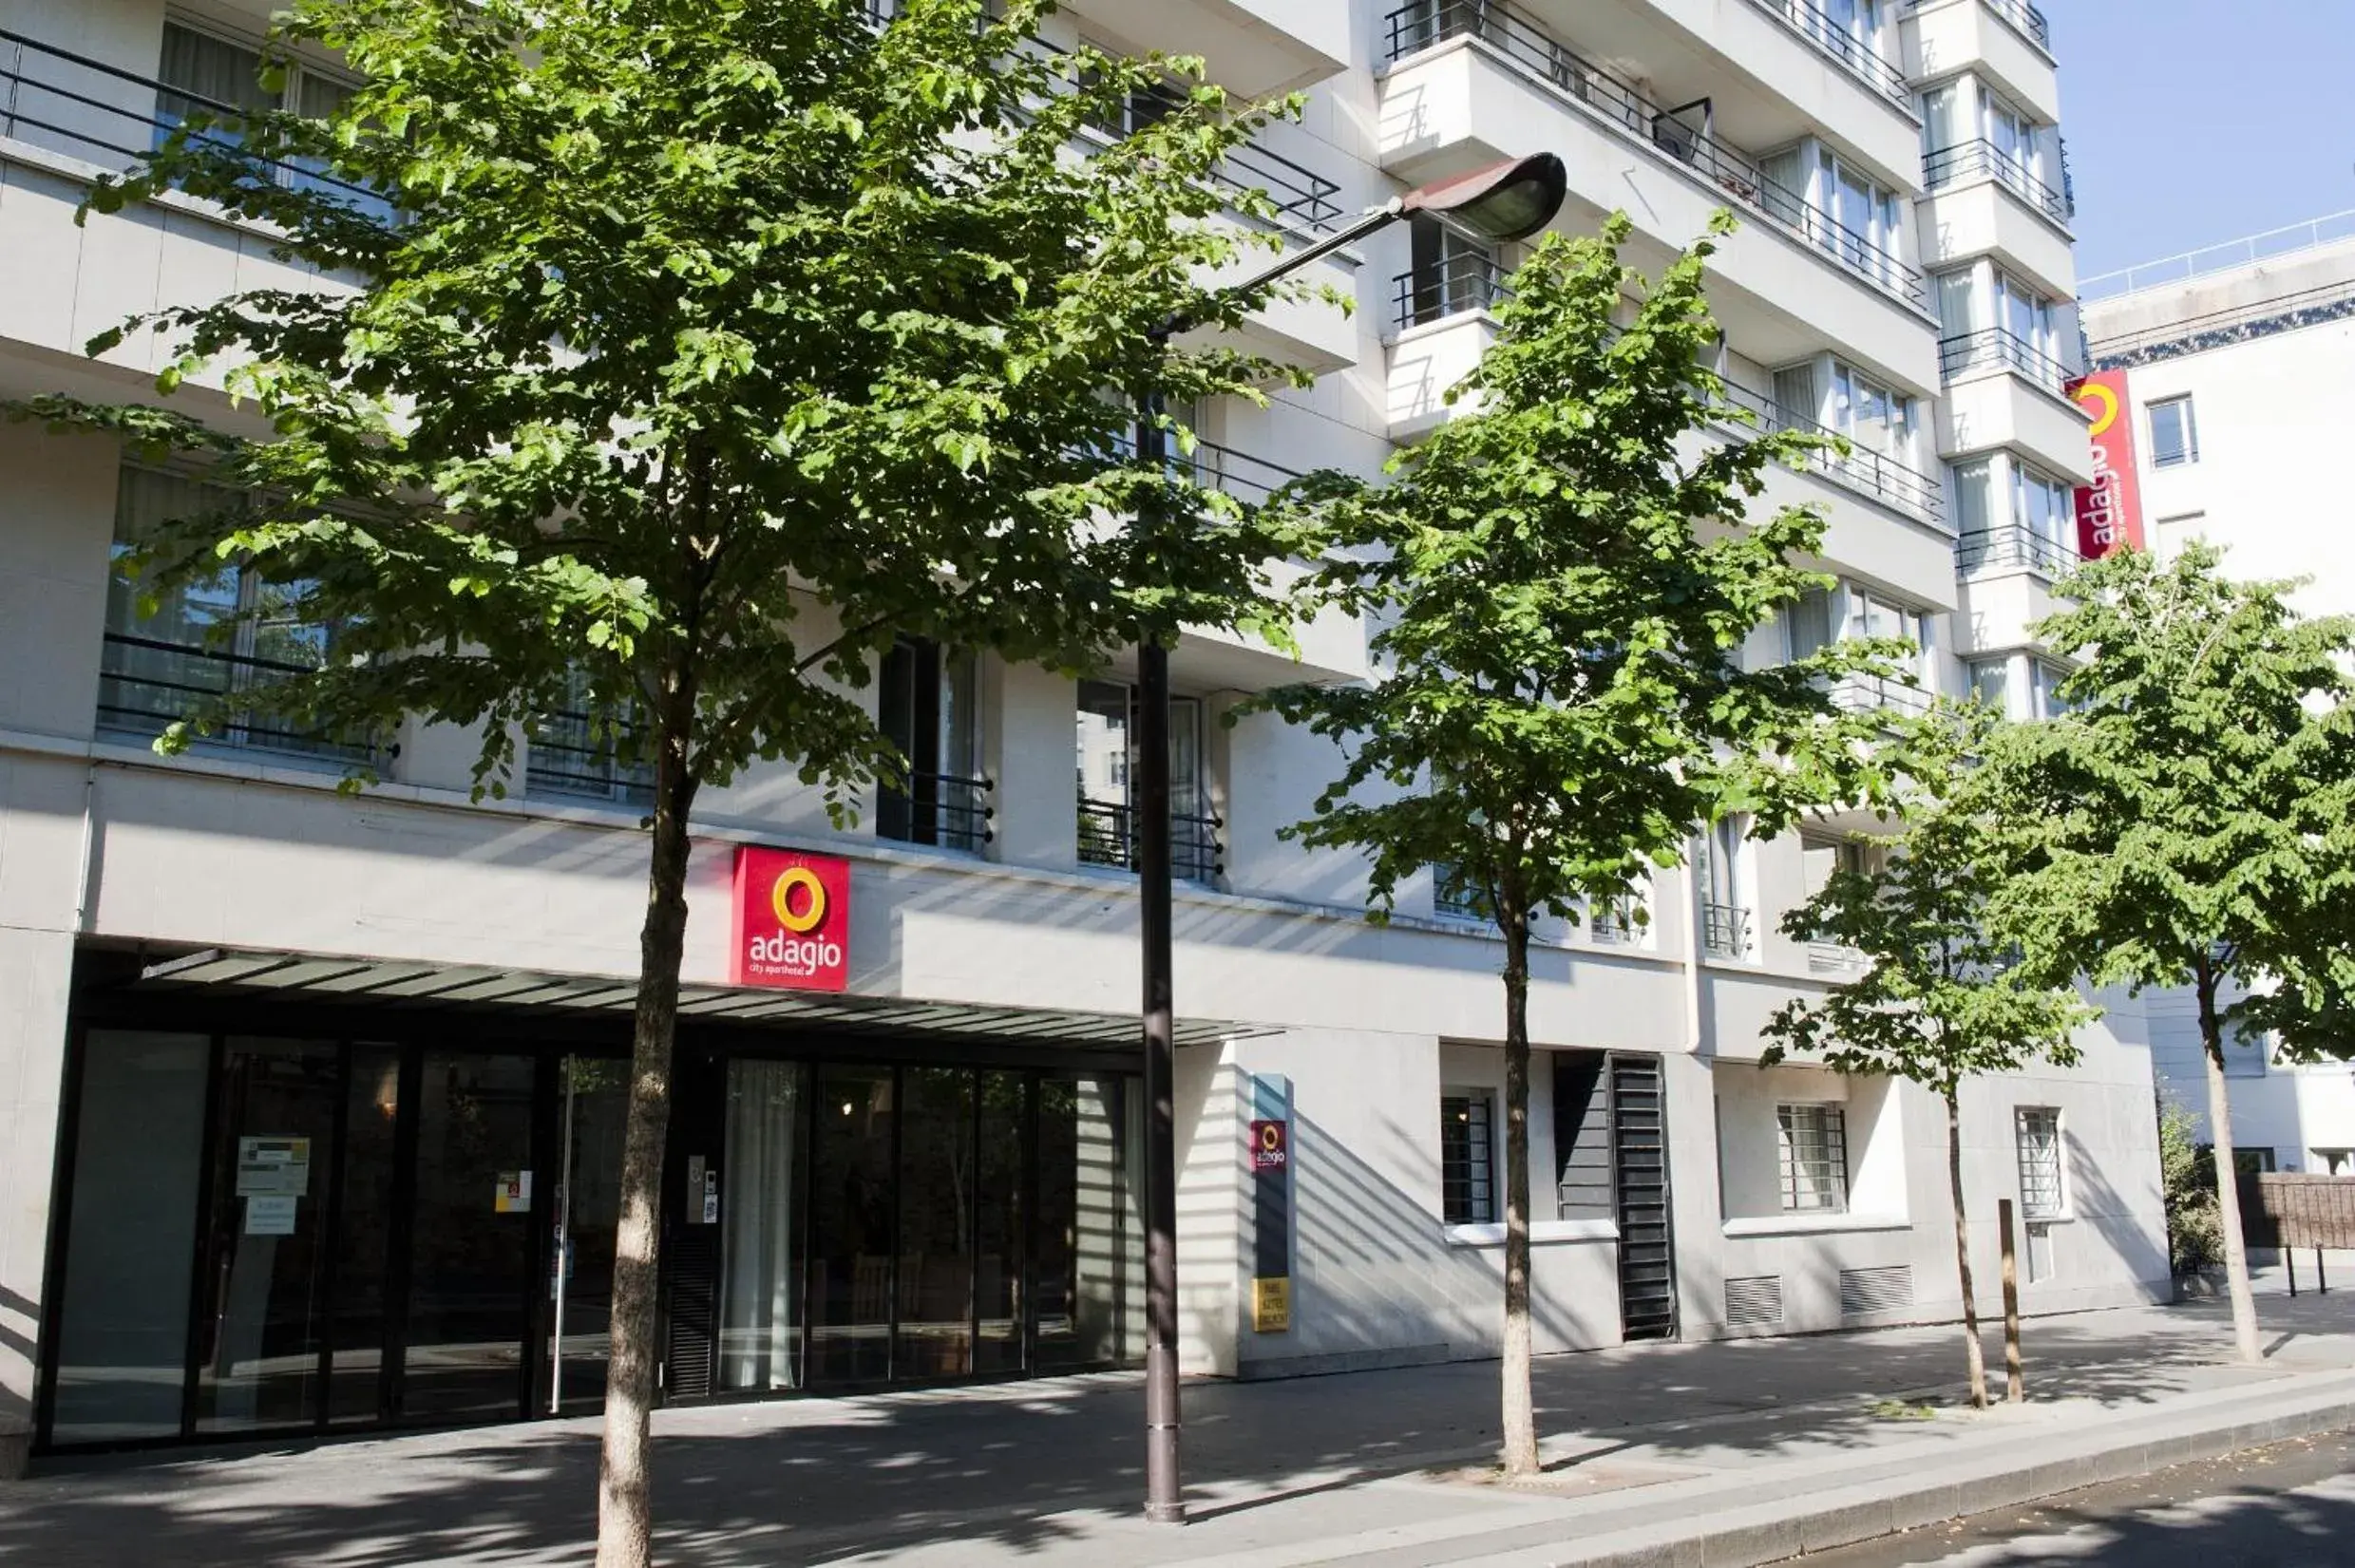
<point>2238,367</point>
<point>311,1101</point>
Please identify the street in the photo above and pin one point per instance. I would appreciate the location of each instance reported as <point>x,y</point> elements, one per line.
<point>2289,1505</point>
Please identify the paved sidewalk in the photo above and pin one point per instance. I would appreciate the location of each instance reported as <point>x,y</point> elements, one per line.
<point>1755,1445</point>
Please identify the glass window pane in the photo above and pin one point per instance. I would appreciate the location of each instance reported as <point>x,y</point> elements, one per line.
<point>937,1199</point>
<point>1972,482</point>
<point>2171,441</point>
<point>130,1236</point>
<point>998,1296</point>
<point>851,1222</point>
<point>761,1282</point>
<point>364,1236</point>
<point>592,1110</point>
<point>1103,773</point>
<point>1090,1274</point>
<point>208,71</point>
<point>470,1237</point>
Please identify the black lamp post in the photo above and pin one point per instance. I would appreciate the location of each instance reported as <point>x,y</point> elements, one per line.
<point>1504,201</point>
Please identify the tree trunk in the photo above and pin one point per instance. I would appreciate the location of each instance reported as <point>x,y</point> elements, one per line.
<point>1975,1352</point>
<point>624,1502</point>
<point>2228,1176</point>
<point>1520,1406</point>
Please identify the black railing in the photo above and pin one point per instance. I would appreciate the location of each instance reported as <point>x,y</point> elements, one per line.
<point>1106,838</point>
<point>1613,922</point>
<point>1982,159</point>
<point>1819,27</point>
<point>1458,284</point>
<point>2017,13</point>
<point>1671,131</point>
<point>582,755</point>
<point>1455,897</point>
<point>1999,348</point>
<point>147,684</point>
<point>2009,546</point>
<point>84,108</point>
<point>948,809</point>
<point>1302,198</point>
<point>1212,466</point>
<point>1726,930</point>
<point>1882,477</point>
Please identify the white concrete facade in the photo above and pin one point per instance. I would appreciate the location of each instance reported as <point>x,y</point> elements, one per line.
<point>104,846</point>
<point>2250,348</point>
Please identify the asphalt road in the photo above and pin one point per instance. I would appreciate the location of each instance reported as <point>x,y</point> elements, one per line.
<point>2291,1506</point>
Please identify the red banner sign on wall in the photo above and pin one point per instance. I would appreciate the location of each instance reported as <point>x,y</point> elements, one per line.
<point>792,924</point>
<point>2109,511</point>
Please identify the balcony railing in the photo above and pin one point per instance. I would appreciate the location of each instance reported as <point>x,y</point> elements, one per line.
<point>1106,838</point>
<point>1982,159</point>
<point>1828,957</point>
<point>2011,547</point>
<point>1459,284</point>
<point>1726,930</point>
<point>1302,198</point>
<point>948,809</point>
<point>1882,694</point>
<point>582,755</point>
<point>1835,38</point>
<point>2000,349</point>
<point>147,684</point>
<point>1884,477</point>
<point>1512,33</point>
<point>2017,13</point>
<point>84,108</point>
<point>1212,466</point>
<point>1613,922</point>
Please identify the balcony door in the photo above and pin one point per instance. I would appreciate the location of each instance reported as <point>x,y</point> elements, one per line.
<point>1107,742</point>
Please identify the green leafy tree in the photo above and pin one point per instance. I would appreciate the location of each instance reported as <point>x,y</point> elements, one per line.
<point>1941,1000</point>
<point>2187,1178</point>
<point>690,352</point>
<point>2186,818</point>
<point>1562,604</point>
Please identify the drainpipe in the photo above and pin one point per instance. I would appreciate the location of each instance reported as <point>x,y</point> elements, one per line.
<point>89,849</point>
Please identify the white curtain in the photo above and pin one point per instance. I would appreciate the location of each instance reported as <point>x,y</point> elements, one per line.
<point>760,1278</point>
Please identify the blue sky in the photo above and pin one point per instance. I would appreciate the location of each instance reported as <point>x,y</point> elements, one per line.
<point>2193,122</point>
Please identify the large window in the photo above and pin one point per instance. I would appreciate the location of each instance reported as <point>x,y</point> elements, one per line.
<point>1726,914</point>
<point>1467,1156</point>
<point>1450,274</point>
<point>1871,416</point>
<point>207,73</point>
<point>926,706</point>
<point>2045,509</point>
<point>1990,682</point>
<point>1810,1142</point>
<point>1868,217</point>
<point>2042,1194</point>
<point>2174,440</point>
<point>225,634</point>
<point>1107,795</point>
<point>590,749</point>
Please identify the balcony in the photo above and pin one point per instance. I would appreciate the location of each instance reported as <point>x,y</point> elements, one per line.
<point>1828,957</point>
<point>1881,694</point>
<point>1967,217</point>
<point>1426,113</point>
<point>1253,48</point>
<point>1835,40</point>
<point>583,755</point>
<point>1725,931</point>
<point>2005,41</point>
<point>1107,839</point>
<point>1992,403</point>
<point>1982,159</point>
<point>1997,350</point>
<point>948,809</point>
<point>2009,547</point>
<point>1884,479</point>
<point>147,684</point>
<point>1440,327</point>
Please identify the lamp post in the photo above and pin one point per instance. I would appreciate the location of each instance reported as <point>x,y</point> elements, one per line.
<point>1501,203</point>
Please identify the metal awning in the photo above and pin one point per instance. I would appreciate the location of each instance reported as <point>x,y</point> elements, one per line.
<point>400,983</point>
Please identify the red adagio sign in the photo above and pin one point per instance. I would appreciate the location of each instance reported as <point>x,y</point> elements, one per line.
<point>792,925</point>
<point>1270,1146</point>
<point>2109,511</point>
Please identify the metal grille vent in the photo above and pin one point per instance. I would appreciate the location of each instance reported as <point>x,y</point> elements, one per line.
<point>694,1281</point>
<point>1865,1291</point>
<point>1754,1301</point>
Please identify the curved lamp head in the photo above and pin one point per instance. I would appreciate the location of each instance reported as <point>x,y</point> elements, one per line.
<point>1507,201</point>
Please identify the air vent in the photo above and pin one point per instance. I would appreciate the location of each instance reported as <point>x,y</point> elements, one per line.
<point>1867,1292</point>
<point>1750,1303</point>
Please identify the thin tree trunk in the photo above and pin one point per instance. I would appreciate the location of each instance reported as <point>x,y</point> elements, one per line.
<point>2228,1176</point>
<point>1976,1352</point>
<point>1520,1410</point>
<point>624,1499</point>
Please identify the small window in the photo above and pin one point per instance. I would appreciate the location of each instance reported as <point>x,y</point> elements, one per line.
<point>582,748</point>
<point>1456,897</point>
<point>1811,1148</point>
<point>2041,1194</point>
<point>2174,440</point>
<point>1990,682</point>
<point>2044,699</point>
<point>1467,1156</point>
<point>2255,1162</point>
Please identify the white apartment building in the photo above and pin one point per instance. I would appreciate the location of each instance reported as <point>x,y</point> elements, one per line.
<point>310,1100</point>
<point>2239,363</point>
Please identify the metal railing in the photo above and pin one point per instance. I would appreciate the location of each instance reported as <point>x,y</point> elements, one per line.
<point>1830,957</point>
<point>1613,922</point>
<point>1459,284</point>
<point>1455,899</point>
<point>1999,348</point>
<point>147,684</point>
<point>583,755</point>
<point>1819,27</point>
<point>1726,930</point>
<point>948,809</point>
<point>2330,229</point>
<point>1212,466</point>
<point>1881,693</point>
<point>2017,13</point>
<point>1884,477</point>
<point>1980,158</point>
<point>2008,546</point>
<point>2218,329</point>
<point>1106,838</point>
<point>84,108</point>
<point>1512,33</point>
<point>1302,198</point>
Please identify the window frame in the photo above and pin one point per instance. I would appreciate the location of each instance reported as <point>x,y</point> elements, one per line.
<point>2033,1182</point>
<point>1477,1159</point>
<point>2189,454</point>
<point>1833,1177</point>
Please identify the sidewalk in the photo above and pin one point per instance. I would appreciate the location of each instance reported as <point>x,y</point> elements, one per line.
<point>1701,1454</point>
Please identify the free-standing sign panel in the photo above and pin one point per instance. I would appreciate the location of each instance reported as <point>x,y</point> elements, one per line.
<point>2109,511</point>
<point>793,920</point>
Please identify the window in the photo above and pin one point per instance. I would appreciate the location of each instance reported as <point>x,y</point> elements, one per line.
<point>224,632</point>
<point>1820,860</point>
<point>1957,303</point>
<point>2174,442</point>
<point>2045,511</point>
<point>1725,894</point>
<point>589,751</point>
<point>2018,142</point>
<point>1866,224</point>
<point>1621,921</point>
<point>1451,273</point>
<point>1974,490</point>
<point>1990,682</point>
<point>1848,30</point>
<point>1807,624</point>
<point>2041,1193</point>
<point>1455,896</point>
<point>2254,1161</point>
<point>1107,836</point>
<point>926,707</point>
<point>1467,1156</point>
<point>2044,681</point>
<point>202,72</point>
<point>1874,418</point>
<point>1811,1154</point>
<point>1872,614</point>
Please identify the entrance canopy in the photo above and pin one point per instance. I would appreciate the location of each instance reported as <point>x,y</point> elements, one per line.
<point>393,982</point>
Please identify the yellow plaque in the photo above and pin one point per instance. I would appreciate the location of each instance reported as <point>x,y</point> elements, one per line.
<point>1271,1306</point>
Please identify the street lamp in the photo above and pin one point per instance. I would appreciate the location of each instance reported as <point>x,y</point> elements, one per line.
<point>1502,201</point>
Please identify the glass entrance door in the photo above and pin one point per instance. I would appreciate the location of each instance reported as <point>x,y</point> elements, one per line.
<point>593,1101</point>
<point>470,1238</point>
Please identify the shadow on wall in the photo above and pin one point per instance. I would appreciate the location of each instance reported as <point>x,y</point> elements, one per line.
<point>2108,1212</point>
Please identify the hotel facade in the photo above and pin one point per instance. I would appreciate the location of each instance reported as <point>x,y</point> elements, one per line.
<point>309,1102</point>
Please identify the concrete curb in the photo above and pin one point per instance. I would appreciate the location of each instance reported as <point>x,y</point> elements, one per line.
<point>1821,1521</point>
